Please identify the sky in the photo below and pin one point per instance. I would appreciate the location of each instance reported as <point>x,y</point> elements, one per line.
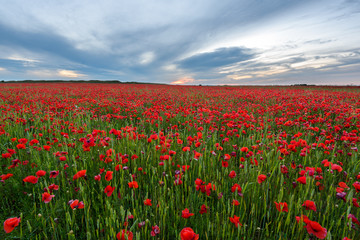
<point>208,42</point>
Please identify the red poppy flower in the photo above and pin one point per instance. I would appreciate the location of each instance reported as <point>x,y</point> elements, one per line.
<point>53,174</point>
<point>6,155</point>
<point>123,234</point>
<point>46,148</point>
<point>235,220</point>
<point>23,140</point>
<point>21,146</point>
<point>133,184</point>
<point>284,169</point>
<point>6,176</point>
<point>34,141</point>
<point>155,231</point>
<point>336,167</point>
<point>109,152</point>
<point>147,202</point>
<point>186,149</point>
<point>109,190</point>
<point>355,203</point>
<point>198,181</point>
<point>309,205</point>
<point>76,204</point>
<point>118,167</point>
<point>354,219</point>
<point>301,180</point>
<point>203,209</point>
<point>261,178</point>
<point>188,234</point>
<point>244,149</point>
<point>186,213</point>
<point>31,179</point>
<point>10,224</point>
<point>46,197</point>
<point>225,164</point>
<point>281,206</point>
<point>315,228</point>
<point>185,168</point>
<point>97,177</point>
<point>304,218</point>
<point>356,186</point>
<point>79,174</point>
<point>109,175</point>
<point>236,187</point>
<point>53,187</point>
<point>236,202</point>
<point>40,173</point>
<point>343,185</point>
<point>232,174</point>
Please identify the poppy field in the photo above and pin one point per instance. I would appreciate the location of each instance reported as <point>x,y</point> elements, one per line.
<point>146,161</point>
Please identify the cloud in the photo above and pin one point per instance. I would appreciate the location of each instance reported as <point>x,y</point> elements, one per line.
<point>218,58</point>
<point>238,77</point>
<point>147,58</point>
<point>21,58</point>
<point>70,74</point>
<point>208,41</point>
<point>183,80</point>
<point>55,74</point>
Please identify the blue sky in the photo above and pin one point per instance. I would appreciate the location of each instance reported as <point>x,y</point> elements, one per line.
<point>242,42</point>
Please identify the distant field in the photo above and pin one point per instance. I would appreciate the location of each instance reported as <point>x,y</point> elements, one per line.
<point>147,161</point>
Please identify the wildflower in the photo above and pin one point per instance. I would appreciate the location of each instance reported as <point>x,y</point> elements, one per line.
<point>316,229</point>
<point>46,197</point>
<point>108,175</point>
<point>309,205</point>
<point>133,184</point>
<point>244,149</point>
<point>304,218</point>
<point>235,220</point>
<point>354,219</point>
<point>203,209</point>
<point>261,178</point>
<point>356,185</point>
<point>10,224</point>
<point>147,202</point>
<point>123,234</point>
<point>53,174</point>
<point>188,234</point>
<point>186,213</point>
<point>301,180</point>
<point>282,206</point>
<point>236,187</point>
<point>232,174</point>
<point>6,176</point>
<point>79,174</point>
<point>40,173</point>
<point>76,204</point>
<point>155,231</point>
<point>109,190</point>
<point>46,148</point>
<point>31,179</point>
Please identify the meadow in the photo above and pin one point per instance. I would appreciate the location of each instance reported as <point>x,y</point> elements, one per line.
<point>138,161</point>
